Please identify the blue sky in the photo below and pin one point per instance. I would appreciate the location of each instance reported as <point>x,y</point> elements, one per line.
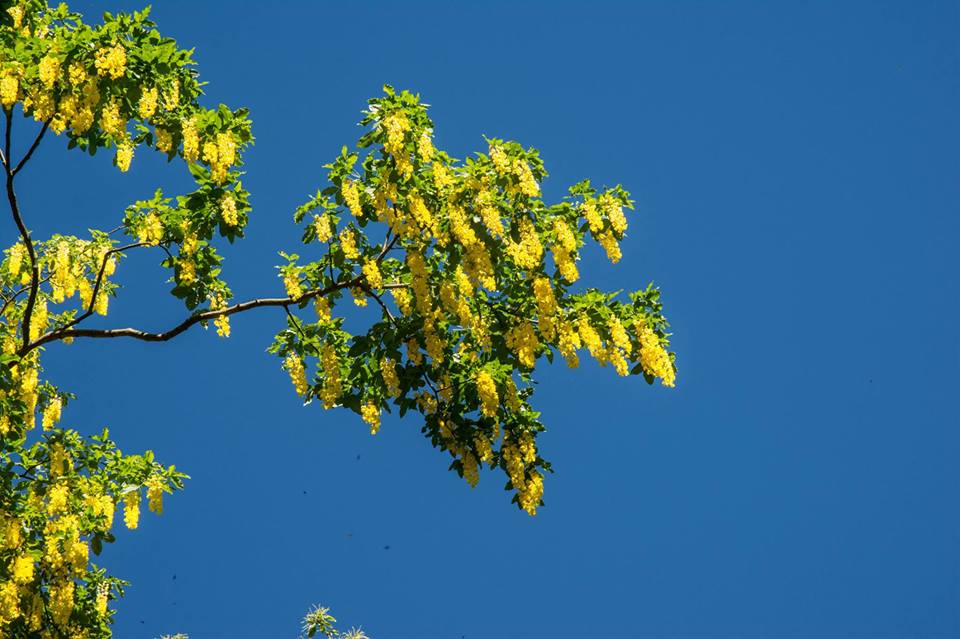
<point>796,171</point>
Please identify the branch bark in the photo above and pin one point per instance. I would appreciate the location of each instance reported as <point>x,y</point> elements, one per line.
<point>24,233</point>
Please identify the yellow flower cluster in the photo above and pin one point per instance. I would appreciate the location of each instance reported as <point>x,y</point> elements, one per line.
<point>155,487</point>
<point>420,282</point>
<point>609,243</point>
<point>220,154</point>
<point>370,413</point>
<point>49,70</point>
<point>359,296</point>
<point>528,252</point>
<point>425,146</point>
<point>124,155</point>
<point>396,125</point>
<point>171,97</point>
<point>332,385</point>
<point>653,357</point>
<point>614,212</point>
<point>351,195</point>
<point>546,305</point>
<point>517,168</point>
<point>298,374</point>
<point>221,322</point>
<point>131,509</point>
<point>191,139</point>
<point>589,211</point>
<point>371,270</point>
<point>322,227</point>
<point>228,210</point>
<point>321,305</point>
<point>111,61</point>
<point>150,229</point>
<point>147,105</point>
<point>522,340</point>
<point>9,89</point>
<point>487,390</point>
<point>51,414</point>
<point>111,121</point>
<point>441,176</point>
<point>413,352</point>
<point>164,140</point>
<point>591,339</point>
<point>565,251</point>
<point>291,283</point>
<point>16,15</point>
<point>388,370</point>
<point>348,242</point>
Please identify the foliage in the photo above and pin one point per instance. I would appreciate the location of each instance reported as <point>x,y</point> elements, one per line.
<point>452,254</point>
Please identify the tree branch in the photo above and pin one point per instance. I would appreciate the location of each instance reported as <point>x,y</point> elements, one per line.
<point>33,147</point>
<point>24,233</point>
<point>145,336</point>
<point>93,297</point>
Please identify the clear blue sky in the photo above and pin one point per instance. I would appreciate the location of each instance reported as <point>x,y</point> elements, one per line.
<point>796,171</point>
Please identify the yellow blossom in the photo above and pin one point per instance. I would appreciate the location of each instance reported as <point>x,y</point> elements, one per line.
<point>51,414</point>
<point>388,371</point>
<point>322,227</point>
<point>653,356</point>
<point>147,105</point>
<point>61,601</point>
<point>228,209</point>
<point>49,70</point>
<point>191,140</point>
<point>322,307</point>
<point>124,155</point>
<point>413,352</point>
<point>163,140</point>
<point>614,212</point>
<point>22,569</point>
<point>522,339</point>
<point>611,246</point>
<point>9,87</point>
<point>359,296</point>
<point>111,120</point>
<point>298,374</point>
<point>111,61</point>
<point>291,283</point>
<point>371,270</point>
<point>590,212</point>
<point>16,14</point>
<point>351,195</point>
<point>470,469</point>
<point>348,242</point>
<point>487,390</point>
<point>155,488</point>
<point>131,509</point>
<point>370,413</point>
<point>332,385</point>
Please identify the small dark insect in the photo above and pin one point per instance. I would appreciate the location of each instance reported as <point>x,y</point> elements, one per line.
<point>304,492</point>
<point>174,577</point>
<point>386,547</point>
<point>358,457</point>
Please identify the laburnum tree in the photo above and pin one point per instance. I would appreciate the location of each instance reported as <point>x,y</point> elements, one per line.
<point>466,277</point>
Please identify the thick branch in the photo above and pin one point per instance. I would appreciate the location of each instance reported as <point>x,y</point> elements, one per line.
<point>24,234</point>
<point>190,321</point>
